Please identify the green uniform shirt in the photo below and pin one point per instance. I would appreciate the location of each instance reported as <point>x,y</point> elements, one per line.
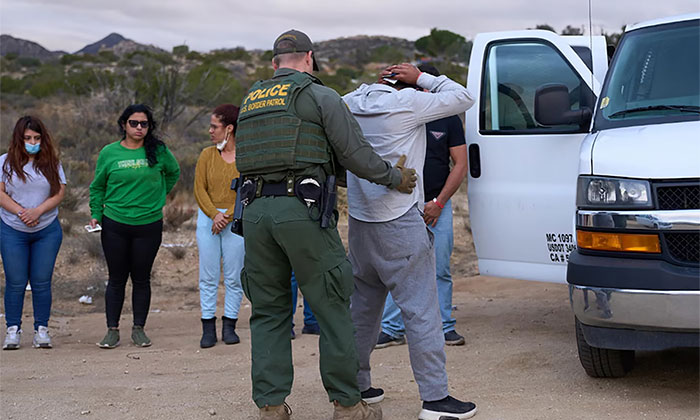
<point>323,106</point>
<point>126,189</point>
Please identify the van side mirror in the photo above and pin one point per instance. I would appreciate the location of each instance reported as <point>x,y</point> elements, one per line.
<point>552,107</point>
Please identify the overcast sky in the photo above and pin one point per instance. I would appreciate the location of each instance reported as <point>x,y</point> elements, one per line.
<point>204,25</point>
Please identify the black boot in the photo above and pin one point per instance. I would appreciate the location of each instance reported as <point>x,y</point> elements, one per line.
<point>208,333</point>
<point>228,331</point>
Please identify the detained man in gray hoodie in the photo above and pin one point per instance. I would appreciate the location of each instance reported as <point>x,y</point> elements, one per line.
<point>389,246</point>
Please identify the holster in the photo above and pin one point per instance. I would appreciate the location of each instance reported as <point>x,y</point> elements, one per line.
<point>329,196</point>
<point>245,194</point>
<point>318,197</point>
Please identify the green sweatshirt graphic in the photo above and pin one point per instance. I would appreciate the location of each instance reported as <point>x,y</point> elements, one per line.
<point>126,189</point>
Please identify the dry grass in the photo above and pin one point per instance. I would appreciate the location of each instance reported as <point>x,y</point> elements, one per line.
<point>178,252</point>
<point>177,212</point>
<point>73,258</point>
<point>74,197</point>
<point>92,246</point>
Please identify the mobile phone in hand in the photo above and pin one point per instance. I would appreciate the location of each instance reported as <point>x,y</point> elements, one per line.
<point>91,229</point>
<point>390,78</point>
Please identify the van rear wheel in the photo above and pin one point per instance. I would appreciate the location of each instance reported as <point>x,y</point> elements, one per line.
<point>602,363</point>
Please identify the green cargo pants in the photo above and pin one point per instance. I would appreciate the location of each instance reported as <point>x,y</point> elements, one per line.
<point>280,237</point>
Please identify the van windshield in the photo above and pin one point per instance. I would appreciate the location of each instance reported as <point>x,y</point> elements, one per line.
<point>654,78</point>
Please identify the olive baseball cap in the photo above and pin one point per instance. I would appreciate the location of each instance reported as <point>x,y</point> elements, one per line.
<point>299,41</point>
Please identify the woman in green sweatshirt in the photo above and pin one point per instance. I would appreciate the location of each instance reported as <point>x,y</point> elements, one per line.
<point>132,178</point>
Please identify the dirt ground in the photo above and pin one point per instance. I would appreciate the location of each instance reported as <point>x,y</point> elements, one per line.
<point>520,360</point>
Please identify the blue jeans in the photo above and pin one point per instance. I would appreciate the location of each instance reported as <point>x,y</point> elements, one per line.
<point>212,249</point>
<point>309,318</point>
<point>392,323</point>
<point>29,257</point>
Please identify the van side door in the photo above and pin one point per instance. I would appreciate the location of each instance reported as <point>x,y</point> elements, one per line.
<point>522,180</point>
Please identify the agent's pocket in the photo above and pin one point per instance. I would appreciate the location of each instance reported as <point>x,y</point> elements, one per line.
<point>245,284</point>
<point>339,283</point>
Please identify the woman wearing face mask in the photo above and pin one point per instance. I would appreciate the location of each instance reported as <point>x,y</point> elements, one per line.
<point>32,184</point>
<point>132,177</point>
<point>216,167</point>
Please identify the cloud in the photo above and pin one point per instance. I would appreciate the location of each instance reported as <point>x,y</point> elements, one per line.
<point>71,24</point>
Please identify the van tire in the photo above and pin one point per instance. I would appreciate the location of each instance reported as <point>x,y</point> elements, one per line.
<point>602,363</point>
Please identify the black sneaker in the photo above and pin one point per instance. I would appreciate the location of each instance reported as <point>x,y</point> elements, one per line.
<point>311,329</point>
<point>447,408</point>
<point>385,340</point>
<point>372,395</point>
<point>453,339</point>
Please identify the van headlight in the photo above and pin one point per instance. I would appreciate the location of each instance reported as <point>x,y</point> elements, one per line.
<point>618,193</point>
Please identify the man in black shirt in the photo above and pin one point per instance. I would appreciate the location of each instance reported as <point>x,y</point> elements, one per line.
<point>445,141</point>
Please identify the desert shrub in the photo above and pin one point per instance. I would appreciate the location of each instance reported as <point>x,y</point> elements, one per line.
<point>79,173</point>
<point>180,50</point>
<point>46,82</point>
<point>66,227</point>
<point>11,85</point>
<point>341,81</point>
<point>143,57</point>
<point>126,63</point>
<point>73,197</point>
<point>342,202</point>
<point>92,245</point>
<point>209,84</point>
<point>28,61</point>
<point>83,81</point>
<point>239,54</point>
<point>445,44</point>
<point>194,55</point>
<point>73,258</point>
<point>175,214</point>
<point>107,56</point>
<point>260,73</point>
<point>178,252</point>
<point>454,71</point>
<point>266,56</point>
<point>387,54</point>
<point>187,162</point>
<point>68,59</point>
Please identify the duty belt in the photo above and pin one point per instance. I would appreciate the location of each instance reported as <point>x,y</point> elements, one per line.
<point>277,189</point>
<point>319,198</point>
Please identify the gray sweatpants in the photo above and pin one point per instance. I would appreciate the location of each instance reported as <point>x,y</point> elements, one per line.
<point>397,256</point>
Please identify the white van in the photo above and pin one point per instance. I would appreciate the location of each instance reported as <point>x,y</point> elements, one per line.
<point>591,176</point>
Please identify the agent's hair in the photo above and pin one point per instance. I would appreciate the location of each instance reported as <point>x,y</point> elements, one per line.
<point>45,161</point>
<point>151,143</point>
<point>227,114</point>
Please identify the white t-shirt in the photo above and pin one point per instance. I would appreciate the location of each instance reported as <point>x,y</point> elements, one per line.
<point>29,195</point>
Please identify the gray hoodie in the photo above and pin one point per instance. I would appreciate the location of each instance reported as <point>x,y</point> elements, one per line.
<point>393,122</point>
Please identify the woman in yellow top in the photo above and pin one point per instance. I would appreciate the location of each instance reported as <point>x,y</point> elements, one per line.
<point>216,167</point>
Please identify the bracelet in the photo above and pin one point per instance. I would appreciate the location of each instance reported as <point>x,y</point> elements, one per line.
<point>439,204</point>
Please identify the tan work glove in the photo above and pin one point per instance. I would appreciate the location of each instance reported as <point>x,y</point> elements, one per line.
<point>408,177</point>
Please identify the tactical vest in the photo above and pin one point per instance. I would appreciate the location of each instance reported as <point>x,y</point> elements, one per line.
<point>271,137</point>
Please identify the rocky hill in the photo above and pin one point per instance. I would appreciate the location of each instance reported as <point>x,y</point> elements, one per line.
<point>25,48</point>
<point>117,44</point>
<point>348,51</point>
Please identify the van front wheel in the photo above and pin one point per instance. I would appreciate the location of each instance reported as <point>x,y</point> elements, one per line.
<point>600,362</point>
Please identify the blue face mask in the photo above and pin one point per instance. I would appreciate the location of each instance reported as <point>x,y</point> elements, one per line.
<point>32,149</point>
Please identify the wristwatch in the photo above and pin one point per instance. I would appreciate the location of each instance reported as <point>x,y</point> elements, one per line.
<point>439,204</point>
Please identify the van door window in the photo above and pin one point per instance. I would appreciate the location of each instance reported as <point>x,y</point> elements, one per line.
<point>513,70</point>
<point>584,53</point>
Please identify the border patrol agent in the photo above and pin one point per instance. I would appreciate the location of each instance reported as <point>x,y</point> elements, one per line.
<point>294,137</point>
